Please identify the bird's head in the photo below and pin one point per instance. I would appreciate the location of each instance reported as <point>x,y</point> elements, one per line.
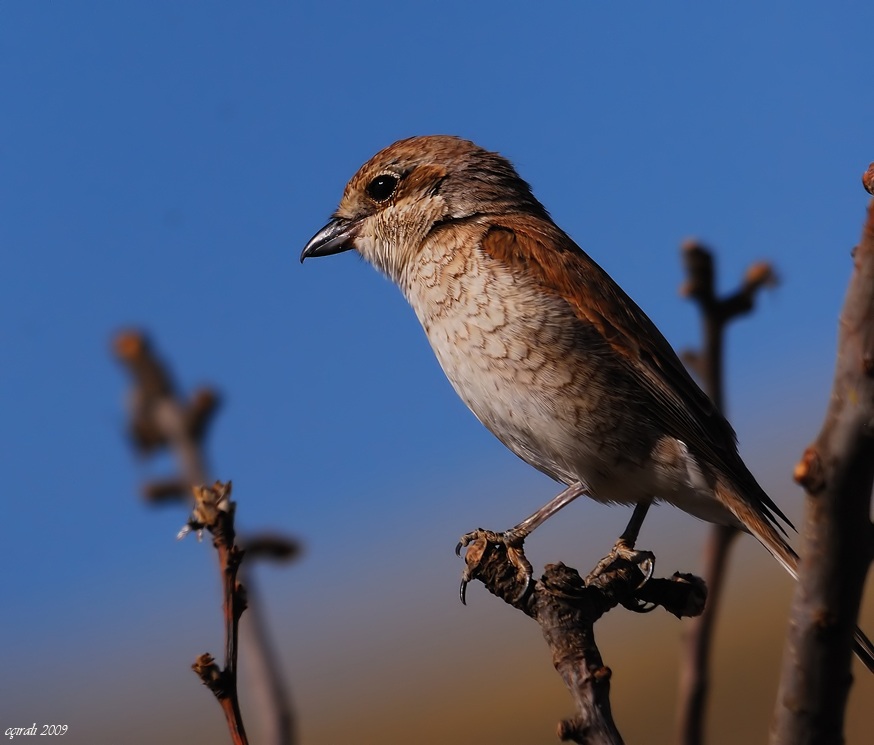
<point>412,187</point>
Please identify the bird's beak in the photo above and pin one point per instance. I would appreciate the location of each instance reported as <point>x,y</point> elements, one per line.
<point>337,236</point>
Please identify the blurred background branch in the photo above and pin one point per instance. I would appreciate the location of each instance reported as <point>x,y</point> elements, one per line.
<point>707,365</point>
<point>160,419</point>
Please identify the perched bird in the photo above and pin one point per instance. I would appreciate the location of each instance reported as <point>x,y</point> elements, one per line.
<point>542,345</point>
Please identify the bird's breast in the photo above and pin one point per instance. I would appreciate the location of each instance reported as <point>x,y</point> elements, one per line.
<point>520,359</point>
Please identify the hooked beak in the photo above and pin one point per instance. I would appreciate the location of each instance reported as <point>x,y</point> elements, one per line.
<point>337,236</point>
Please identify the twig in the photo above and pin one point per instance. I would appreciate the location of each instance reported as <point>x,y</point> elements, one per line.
<point>716,313</point>
<point>159,418</point>
<point>214,510</point>
<point>837,472</point>
<point>566,606</point>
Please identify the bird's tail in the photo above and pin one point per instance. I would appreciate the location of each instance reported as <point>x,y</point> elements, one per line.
<point>764,528</point>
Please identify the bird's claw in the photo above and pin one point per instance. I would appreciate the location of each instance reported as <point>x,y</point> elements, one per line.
<point>477,543</point>
<point>620,557</point>
<point>464,541</point>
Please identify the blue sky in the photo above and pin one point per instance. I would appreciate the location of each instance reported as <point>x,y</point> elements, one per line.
<point>163,163</point>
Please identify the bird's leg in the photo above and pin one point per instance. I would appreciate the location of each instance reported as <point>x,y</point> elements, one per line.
<point>632,530</point>
<point>515,536</point>
<point>624,551</point>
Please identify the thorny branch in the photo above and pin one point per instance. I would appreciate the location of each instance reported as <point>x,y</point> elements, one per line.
<point>567,606</point>
<point>837,472</point>
<point>716,313</point>
<point>160,418</point>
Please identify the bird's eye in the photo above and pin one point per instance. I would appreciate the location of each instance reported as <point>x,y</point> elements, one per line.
<point>382,187</point>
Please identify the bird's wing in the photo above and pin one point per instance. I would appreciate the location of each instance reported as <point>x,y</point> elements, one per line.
<point>549,257</point>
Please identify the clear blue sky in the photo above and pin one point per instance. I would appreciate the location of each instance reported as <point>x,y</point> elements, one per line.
<point>162,164</point>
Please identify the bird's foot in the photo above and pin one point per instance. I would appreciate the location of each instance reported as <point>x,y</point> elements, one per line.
<point>623,559</point>
<point>478,541</point>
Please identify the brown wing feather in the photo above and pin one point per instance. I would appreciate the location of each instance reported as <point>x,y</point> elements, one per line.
<point>544,252</point>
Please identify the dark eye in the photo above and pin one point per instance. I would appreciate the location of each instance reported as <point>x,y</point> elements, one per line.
<point>382,187</point>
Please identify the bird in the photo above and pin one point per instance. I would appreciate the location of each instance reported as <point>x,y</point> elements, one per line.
<point>543,346</point>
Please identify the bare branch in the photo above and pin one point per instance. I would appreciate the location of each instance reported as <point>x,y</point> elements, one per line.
<point>716,313</point>
<point>214,510</point>
<point>160,418</point>
<point>566,606</point>
<point>837,472</point>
